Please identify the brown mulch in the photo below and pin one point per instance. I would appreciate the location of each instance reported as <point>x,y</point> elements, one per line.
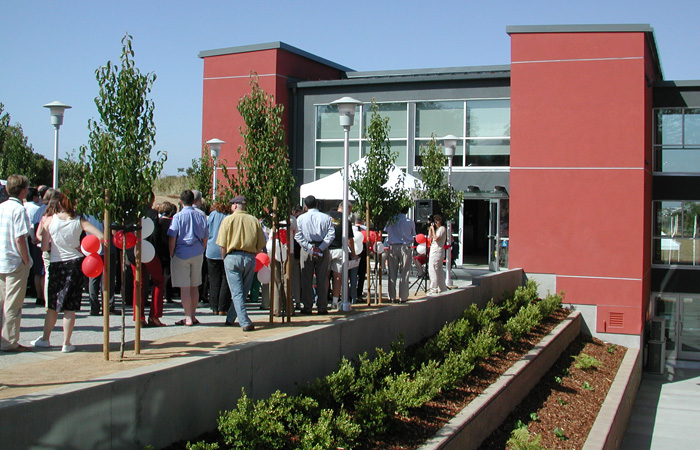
<point>567,398</point>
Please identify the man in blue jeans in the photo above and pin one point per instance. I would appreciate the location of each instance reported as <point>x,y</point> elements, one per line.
<point>240,238</point>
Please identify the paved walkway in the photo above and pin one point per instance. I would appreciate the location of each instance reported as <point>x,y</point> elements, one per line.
<point>41,369</point>
<point>666,413</point>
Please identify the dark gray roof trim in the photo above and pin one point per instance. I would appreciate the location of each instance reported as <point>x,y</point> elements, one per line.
<point>436,71</point>
<point>677,84</point>
<point>412,76</point>
<point>591,28</point>
<point>272,46</point>
<point>596,28</point>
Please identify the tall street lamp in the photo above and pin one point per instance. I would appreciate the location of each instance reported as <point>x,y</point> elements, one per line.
<point>449,145</point>
<point>214,149</point>
<point>57,109</point>
<point>346,110</point>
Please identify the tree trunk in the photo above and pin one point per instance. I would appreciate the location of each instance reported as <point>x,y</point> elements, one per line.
<point>273,263</point>
<point>107,239</point>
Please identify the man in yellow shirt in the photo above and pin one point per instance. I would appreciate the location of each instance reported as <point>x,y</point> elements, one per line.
<point>240,238</point>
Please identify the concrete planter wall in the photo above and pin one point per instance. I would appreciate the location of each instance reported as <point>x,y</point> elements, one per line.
<point>178,399</point>
<point>609,427</point>
<point>485,413</point>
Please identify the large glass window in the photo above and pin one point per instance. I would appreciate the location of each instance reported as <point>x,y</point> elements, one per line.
<point>676,238</point>
<point>677,140</point>
<point>481,126</point>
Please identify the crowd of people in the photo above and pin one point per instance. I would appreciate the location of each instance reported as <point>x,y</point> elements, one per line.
<point>206,255</point>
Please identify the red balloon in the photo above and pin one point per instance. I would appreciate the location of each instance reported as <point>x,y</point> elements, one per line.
<point>92,265</point>
<point>283,236</point>
<point>364,233</point>
<point>262,258</point>
<point>372,237</point>
<point>258,264</point>
<point>91,243</point>
<point>420,238</point>
<point>119,239</point>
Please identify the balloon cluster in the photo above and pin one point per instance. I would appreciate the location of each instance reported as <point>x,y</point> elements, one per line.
<point>262,267</point>
<point>92,264</point>
<point>148,251</point>
<point>422,242</point>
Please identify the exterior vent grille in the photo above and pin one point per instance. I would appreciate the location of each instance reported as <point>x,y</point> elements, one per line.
<point>658,329</point>
<point>656,358</point>
<point>616,320</point>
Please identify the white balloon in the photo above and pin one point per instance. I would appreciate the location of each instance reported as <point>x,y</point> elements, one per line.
<point>379,247</point>
<point>148,252</point>
<point>147,227</point>
<point>264,275</point>
<point>358,244</point>
<point>421,249</point>
<point>280,250</point>
<point>86,253</point>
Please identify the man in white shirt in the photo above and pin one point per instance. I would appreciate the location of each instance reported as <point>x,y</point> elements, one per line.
<point>314,234</point>
<point>14,262</point>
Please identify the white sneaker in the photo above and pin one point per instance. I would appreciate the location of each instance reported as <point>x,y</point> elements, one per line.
<point>39,342</point>
<point>68,348</point>
<point>335,305</point>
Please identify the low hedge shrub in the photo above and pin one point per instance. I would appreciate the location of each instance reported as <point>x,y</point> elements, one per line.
<point>363,398</point>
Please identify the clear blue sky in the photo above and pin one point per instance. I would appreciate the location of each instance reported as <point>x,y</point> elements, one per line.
<point>51,49</point>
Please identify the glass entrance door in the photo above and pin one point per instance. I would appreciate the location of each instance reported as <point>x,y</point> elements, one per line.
<point>689,327</point>
<point>682,313</point>
<point>498,234</point>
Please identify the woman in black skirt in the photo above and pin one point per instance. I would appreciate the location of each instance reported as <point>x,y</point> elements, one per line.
<point>61,235</point>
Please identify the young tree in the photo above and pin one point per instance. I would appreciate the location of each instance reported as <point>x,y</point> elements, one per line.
<point>116,176</point>
<point>367,183</point>
<point>200,174</point>
<point>434,178</point>
<point>120,144</point>
<point>263,171</point>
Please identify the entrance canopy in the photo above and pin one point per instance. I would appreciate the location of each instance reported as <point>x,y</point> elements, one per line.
<point>331,187</point>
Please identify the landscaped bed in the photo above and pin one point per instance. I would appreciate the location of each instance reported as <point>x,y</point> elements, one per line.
<point>561,409</point>
<point>400,398</point>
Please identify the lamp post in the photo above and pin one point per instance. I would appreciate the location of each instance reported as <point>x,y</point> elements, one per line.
<point>57,108</point>
<point>449,145</point>
<point>346,111</point>
<point>214,149</point>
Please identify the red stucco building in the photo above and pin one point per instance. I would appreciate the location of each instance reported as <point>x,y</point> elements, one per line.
<point>578,162</point>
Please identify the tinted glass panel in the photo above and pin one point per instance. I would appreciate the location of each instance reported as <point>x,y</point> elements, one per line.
<point>322,173</point>
<point>457,159</point>
<point>677,160</point>
<point>691,227</point>
<point>488,118</point>
<point>397,114</point>
<point>488,152</point>
<point>439,118</point>
<point>667,216</point>
<point>676,251</point>
<point>328,124</point>
<point>398,146</point>
<point>332,153</point>
<point>691,127</point>
<point>669,127</point>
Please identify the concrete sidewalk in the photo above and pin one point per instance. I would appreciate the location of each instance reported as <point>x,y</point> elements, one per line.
<point>666,412</point>
<point>157,343</point>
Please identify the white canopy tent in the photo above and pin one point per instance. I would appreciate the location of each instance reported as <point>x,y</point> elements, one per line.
<point>331,187</point>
